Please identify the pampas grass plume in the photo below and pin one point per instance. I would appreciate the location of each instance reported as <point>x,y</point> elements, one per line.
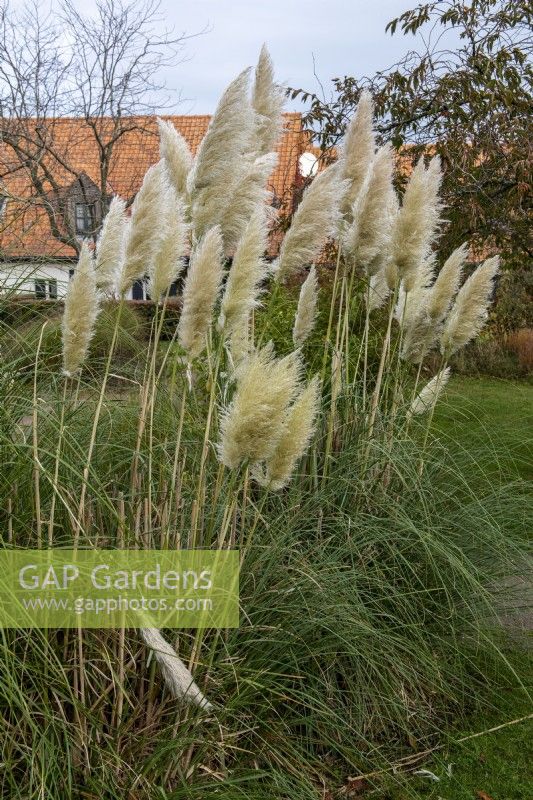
<point>110,245</point>
<point>200,292</point>
<point>306,311</point>
<point>248,192</point>
<point>254,422</point>
<point>218,163</point>
<point>470,310</point>
<point>175,152</point>
<point>247,271</point>
<point>315,219</point>
<point>267,101</point>
<point>81,310</point>
<point>369,234</point>
<point>292,445</point>
<point>177,677</point>
<point>429,394</point>
<point>445,287</point>
<point>145,230</point>
<point>357,152</point>
<point>378,291</point>
<point>416,222</point>
<point>168,261</point>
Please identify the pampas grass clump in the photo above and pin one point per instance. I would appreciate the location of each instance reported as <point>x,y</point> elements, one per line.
<point>215,439</point>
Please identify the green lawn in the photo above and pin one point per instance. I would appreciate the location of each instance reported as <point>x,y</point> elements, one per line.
<point>478,411</point>
<point>497,765</point>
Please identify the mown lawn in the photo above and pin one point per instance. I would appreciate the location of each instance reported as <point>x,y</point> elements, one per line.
<point>496,765</point>
<point>486,413</point>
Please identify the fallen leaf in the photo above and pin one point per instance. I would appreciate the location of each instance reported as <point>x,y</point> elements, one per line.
<point>483,796</point>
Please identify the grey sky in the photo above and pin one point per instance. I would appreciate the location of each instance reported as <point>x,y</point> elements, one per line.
<point>345,37</point>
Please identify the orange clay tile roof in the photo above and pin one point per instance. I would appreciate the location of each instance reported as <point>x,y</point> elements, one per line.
<point>24,226</point>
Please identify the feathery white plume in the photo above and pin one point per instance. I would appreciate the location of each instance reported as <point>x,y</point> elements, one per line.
<point>82,304</point>
<point>144,231</point>
<point>175,152</point>
<point>315,219</point>
<point>218,163</point>
<point>429,394</point>
<point>245,276</point>
<point>379,290</point>
<point>357,152</point>
<point>416,222</point>
<point>253,423</point>
<point>369,234</point>
<point>428,307</point>
<point>267,101</point>
<point>470,310</point>
<point>168,261</point>
<point>110,245</point>
<point>248,192</point>
<point>202,286</point>
<point>294,441</point>
<point>306,311</point>
<point>445,287</point>
<point>177,677</point>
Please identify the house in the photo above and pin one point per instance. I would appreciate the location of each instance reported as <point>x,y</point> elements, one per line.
<point>35,259</point>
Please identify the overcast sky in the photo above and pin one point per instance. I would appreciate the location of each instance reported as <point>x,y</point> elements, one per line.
<point>332,37</point>
<point>344,37</point>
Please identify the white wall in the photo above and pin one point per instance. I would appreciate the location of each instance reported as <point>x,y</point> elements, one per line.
<point>20,279</point>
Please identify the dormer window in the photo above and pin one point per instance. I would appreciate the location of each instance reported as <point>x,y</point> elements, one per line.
<point>85,218</point>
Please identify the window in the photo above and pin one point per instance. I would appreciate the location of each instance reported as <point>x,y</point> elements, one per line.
<point>137,290</point>
<point>85,218</point>
<point>40,289</point>
<point>52,289</point>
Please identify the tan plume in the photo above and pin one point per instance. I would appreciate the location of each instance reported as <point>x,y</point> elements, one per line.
<point>416,223</point>
<point>430,394</point>
<point>294,441</point>
<point>249,191</point>
<point>369,235</point>
<point>168,261</point>
<point>357,152</point>
<point>177,677</point>
<point>218,163</point>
